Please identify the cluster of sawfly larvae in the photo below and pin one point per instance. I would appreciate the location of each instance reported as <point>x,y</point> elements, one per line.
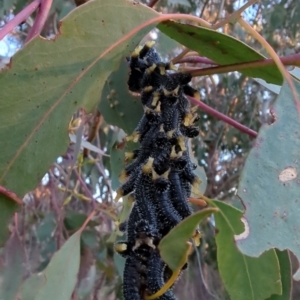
<point>160,176</point>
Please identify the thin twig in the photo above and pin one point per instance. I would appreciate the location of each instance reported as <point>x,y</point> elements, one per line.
<point>180,56</point>
<point>196,60</point>
<point>9,194</point>
<point>222,117</point>
<point>40,19</point>
<point>19,18</point>
<point>221,7</point>
<point>234,16</point>
<point>83,185</point>
<point>88,219</point>
<point>290,60</point>
<point>201,275</point>
<point>276,58</point>
<point>203,8</point>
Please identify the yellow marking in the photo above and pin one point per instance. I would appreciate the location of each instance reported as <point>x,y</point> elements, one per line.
<point>151,69</point>
<point>181,143</point>
<point>150,44</point>
<point>166,174</point>
<point>129,156</point>
<point>134,137</point>
<point>173,153</point>
<point>162,70</point>
<point>147,110</point>
<point>119,195</point>
<point>123,176</point>
<point>130,199</point>
<point>196,237</point>
<point>170,133</point>
<point>170,66</point>
<point>136,51</point>
<point>195,186</point>
<point>194,109</point>
<point>154,175</point>
<point>156,97</point>
<point>120,248</point>
<point>189,119</point>
<point>147,168</point>
<point>157,108</point>
<point>171,93</point>
<point>148,241</point>
<point>196,95</point>
<point>148,89</point>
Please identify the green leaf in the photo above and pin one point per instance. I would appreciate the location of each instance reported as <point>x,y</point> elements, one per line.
<point>244,277</point>
<point>7,208</point>
<point>221,48</point>
<point>61,273</point>
<point>74,220</point>
<point>296,73</point>
<point>11,278</point>
<point>119,262</point>
<point>276,88</point>
<point>31,286</point>
<point>127,205</point>
<point>46,227</point>
<point>173,247</point>
<point>200,172</point>
<point>269,185</point>
<point>53,79</point>
<point>7,4</point>
<point>270,86</point>
<point>117,105</point>
<point>90,238</point>
<point>285,274</point>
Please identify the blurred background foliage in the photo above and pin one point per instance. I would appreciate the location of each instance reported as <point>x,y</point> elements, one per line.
<point>60,204</point>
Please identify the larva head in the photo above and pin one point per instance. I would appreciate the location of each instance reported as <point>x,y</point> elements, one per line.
<point>145,234</point>
<point>121,248</point>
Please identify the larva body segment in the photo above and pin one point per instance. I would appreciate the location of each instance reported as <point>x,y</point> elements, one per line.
<point>168,217</point>
<point>144,203</point>
<point>178,196</point>
<point>155,277</point>
<point>133,281</point>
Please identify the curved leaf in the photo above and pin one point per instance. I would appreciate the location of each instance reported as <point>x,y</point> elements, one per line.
<point>61,273</point>
<point>48,80</point>
<point>7,208</point>
<point>244,277</point>
<point>31,286</point>
<point>11,278</point>
<point>220,47</point>
<point>117,105</point>
<point>173,247</point>
<point>285,274</point>
<point>269,186</point>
